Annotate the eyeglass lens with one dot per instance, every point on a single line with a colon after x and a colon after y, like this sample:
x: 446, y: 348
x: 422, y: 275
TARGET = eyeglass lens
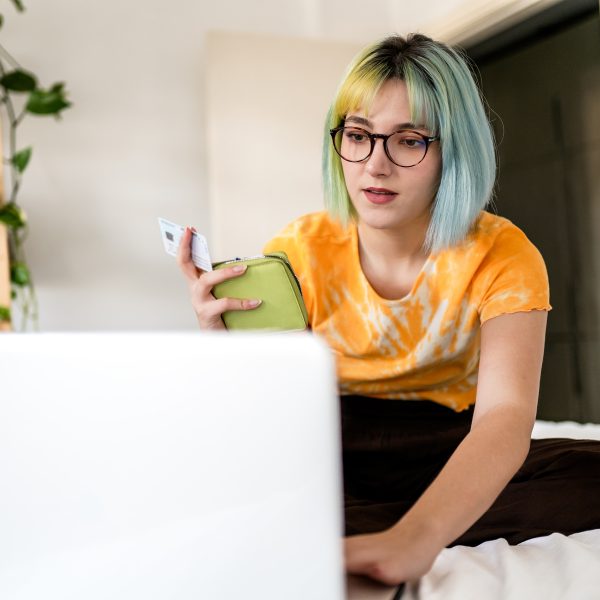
x: 406, y: 148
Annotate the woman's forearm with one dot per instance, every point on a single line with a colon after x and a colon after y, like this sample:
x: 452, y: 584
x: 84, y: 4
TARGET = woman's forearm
x: 476, y: 473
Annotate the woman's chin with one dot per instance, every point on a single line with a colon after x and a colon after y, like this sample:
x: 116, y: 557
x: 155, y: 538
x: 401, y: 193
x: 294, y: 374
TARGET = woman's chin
x: 379, y: 220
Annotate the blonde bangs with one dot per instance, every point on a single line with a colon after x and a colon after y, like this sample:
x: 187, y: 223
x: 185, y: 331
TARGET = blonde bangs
x: 359, y: 88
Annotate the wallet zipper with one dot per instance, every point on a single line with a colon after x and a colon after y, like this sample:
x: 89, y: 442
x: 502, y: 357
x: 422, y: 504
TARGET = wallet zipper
x: 238, y: 259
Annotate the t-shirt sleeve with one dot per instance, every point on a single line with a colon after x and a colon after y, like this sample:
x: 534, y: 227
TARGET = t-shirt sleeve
x: 290, y: 241
x: 514, y: 278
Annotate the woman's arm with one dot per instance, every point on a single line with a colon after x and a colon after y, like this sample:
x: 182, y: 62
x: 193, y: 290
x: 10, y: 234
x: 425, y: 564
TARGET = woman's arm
x: 512, y: 348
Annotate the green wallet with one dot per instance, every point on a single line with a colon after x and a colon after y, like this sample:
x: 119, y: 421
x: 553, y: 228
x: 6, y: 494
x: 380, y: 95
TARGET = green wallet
x: 269, y: 278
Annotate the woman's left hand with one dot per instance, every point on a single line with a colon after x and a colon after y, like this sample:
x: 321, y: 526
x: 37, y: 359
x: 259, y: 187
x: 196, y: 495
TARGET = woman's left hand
x: 391, y: 557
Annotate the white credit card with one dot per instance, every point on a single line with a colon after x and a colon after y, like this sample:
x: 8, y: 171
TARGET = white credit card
x: 172, y: 233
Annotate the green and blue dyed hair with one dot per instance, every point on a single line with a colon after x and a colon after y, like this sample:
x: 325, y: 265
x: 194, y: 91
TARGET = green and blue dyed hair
x: 444, y: 97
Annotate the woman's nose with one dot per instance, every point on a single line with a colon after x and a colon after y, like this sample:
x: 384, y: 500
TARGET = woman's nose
x: 378, y: 164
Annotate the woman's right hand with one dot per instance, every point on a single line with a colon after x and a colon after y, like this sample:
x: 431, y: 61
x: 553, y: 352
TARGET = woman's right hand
x: 207, y: 308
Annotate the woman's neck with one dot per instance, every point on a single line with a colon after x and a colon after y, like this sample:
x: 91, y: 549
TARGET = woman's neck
x: 390, y: 260
x: 393, y: 247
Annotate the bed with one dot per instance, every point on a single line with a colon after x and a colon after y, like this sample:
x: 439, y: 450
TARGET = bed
x: 551, y: 567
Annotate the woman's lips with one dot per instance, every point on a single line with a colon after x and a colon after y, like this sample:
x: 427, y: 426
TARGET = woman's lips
x: 379, y: 195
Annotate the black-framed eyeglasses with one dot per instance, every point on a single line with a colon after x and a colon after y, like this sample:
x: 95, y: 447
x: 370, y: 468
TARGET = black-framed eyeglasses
x: 405, y: 148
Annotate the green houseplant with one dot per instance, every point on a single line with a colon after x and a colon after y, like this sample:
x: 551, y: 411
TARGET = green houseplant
x: 20, y: 96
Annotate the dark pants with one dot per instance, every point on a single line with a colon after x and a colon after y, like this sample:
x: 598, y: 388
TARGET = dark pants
x: 392, y: 451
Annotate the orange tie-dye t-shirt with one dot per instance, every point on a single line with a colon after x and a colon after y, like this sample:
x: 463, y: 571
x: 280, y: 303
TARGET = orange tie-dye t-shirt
x: 425, y: 345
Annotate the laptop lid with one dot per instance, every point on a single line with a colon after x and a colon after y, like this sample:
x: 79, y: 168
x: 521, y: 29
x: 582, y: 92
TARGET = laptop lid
x: 169, y: 465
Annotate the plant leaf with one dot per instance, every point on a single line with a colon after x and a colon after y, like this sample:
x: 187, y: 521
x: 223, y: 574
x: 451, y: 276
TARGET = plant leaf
x: 19, y: 5
x: 1, y: 20
x: 19, y: 81
x: 19, y: 274
x: 12, y: 215
x: 21, y: 159
x: 5, y: 314
x: 47, y: 102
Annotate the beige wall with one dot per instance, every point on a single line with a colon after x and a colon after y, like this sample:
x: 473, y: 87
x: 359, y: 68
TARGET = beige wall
x: 131, y: 149
x: 267, y: 97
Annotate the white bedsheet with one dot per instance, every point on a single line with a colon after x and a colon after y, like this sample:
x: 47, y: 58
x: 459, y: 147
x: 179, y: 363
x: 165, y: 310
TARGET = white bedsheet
x: 549, y: 567
x: 546, y: 568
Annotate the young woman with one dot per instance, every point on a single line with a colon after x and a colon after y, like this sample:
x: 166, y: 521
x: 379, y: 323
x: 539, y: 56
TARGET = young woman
x: 436, y: 311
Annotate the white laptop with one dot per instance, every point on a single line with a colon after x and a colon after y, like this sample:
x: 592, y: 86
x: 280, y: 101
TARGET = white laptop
x: 169, y: 466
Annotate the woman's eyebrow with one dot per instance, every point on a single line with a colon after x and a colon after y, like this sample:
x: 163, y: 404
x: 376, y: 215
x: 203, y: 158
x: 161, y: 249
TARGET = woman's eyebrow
x: 367, y: 123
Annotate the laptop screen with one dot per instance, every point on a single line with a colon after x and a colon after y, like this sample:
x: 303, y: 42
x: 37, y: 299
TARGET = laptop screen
x: 169, y: 465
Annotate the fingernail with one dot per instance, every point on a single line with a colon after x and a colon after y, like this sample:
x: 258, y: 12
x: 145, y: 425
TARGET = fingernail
x: 254, y: 303
x: 239, y: 268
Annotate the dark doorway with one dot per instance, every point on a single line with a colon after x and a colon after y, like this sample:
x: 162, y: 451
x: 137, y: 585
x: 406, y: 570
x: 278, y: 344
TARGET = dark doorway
x: 542, y: 84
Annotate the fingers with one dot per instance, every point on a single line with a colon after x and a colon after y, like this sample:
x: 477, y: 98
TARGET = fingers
x: 209, y: 313
x: 211, y: 278
x: 227, y: 304
x: 201, y: 286
x: 208, y: 309
x: 184, y: 257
